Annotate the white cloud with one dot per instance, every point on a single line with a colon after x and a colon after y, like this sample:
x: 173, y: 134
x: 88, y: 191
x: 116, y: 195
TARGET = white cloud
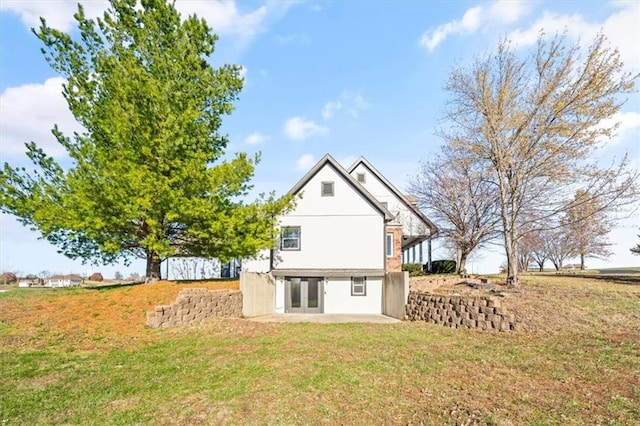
x: 298, y: 128
x: 618, y: 27
x: 223, y: 16
x: 305, y: 162
x: 59, y: 14
x: 480, y: 17
x: 256, y: 139
x: 349, y: 102
x: 28, y: 113
x: 628, y: 126
x: 330, y: 108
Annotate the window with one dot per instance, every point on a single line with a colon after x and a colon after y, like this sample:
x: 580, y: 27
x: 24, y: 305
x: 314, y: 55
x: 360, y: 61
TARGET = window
x: 361, y: 177
x: 358, y: 286
x: 389, y: 245
x: 290, y: 238
x: 327, y: 189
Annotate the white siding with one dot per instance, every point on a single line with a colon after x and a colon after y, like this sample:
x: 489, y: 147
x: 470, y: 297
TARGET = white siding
x: 260, y: 263
x: 340, y: 232
x: 338, y: 298
x: 411, y: 223
x: 280, y: 294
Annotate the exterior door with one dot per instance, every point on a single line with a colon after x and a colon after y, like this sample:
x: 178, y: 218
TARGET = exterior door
x: 303, y: 295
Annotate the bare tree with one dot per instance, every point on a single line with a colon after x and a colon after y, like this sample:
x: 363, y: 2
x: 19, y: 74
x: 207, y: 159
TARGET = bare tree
x: 534, y: 122
x: 589, y: 225
x: 560, y: 246
x: 454, y: 192
x: 636, y: 249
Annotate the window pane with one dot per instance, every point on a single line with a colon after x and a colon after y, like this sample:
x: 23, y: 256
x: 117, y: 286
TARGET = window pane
x: 295, y: 293
x: 290, y: 238
x: 389, y: 245
x: 312, y: 293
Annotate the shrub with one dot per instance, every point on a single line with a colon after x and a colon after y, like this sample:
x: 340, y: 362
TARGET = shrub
x: 446, y: 266
x: 414, y: 269
x: 96, y: 276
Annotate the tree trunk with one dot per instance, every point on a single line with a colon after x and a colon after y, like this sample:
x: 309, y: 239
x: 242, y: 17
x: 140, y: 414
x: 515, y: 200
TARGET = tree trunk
x: 462, y: 262
x: 541, y: 265
x: 512, y: 264
x: 153, y: 267
x: 582, y: 261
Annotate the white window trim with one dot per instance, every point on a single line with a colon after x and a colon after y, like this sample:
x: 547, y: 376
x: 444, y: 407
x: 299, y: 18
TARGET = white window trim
x: 364, y: 286
x: 282, y: 247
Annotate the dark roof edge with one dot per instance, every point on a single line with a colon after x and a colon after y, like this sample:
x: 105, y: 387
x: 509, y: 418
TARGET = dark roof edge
x: 328, y: 159
x: 396, y: 192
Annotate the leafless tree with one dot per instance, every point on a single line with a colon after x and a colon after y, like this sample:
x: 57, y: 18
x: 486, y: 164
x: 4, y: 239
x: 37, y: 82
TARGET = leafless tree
x: 533, y: 122
x: 455, y: 193
x: 589, y: 225
x: 636, y: 249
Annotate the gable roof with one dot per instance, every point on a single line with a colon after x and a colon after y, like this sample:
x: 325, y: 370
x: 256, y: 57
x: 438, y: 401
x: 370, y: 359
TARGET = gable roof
x: 328, y: 160
x: 403, y: 198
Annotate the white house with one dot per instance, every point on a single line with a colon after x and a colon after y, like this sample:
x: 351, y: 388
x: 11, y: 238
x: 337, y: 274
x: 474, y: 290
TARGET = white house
x: 416, y: 227
x: 336, y: 245
x: 63, y: 280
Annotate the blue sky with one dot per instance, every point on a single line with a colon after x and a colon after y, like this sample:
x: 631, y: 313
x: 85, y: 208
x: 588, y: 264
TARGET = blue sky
x: 345, y: 78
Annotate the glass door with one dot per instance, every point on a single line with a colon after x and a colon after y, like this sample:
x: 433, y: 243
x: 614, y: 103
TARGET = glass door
x: 303, y: 295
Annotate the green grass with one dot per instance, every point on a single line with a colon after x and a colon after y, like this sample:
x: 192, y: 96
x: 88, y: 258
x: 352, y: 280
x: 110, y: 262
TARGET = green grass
x: 240, y: 372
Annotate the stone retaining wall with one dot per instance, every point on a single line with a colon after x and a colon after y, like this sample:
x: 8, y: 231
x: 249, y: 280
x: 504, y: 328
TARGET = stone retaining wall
x: 195, y: 305
x: 483, y: 312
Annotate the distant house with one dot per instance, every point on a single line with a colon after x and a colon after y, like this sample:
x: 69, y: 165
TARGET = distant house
x: 347, y: 231
x: 69, y: 280
x: 25, y: 283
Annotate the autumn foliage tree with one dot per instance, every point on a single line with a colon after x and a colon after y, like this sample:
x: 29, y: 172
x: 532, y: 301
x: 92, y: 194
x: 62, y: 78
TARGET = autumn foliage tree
x: 147, y: 176
x: 533, y: 122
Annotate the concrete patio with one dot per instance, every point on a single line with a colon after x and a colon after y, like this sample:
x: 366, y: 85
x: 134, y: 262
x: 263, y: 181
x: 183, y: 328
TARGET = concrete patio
x: 326, y: 318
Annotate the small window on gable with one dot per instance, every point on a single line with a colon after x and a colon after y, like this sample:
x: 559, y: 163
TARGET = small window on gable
x: 290, y: 238
x: 358, y: 286
x: 326, y: 189
x: 361, y: 177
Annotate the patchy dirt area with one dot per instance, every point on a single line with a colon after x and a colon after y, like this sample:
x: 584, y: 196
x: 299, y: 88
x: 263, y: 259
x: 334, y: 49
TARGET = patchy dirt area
x: 112, y: 313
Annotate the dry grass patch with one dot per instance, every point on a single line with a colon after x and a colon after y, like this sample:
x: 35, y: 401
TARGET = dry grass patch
x: 90, y: 317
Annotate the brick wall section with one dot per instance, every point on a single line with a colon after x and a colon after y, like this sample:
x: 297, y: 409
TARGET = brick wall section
x: 195, y: 305
x: 483, y: 312
x: 394, y: 264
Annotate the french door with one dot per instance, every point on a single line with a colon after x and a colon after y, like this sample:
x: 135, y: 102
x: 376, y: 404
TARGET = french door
x: 303, y: 295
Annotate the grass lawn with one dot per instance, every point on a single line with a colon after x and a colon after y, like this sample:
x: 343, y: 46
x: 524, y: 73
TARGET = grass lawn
x: 84, y: 356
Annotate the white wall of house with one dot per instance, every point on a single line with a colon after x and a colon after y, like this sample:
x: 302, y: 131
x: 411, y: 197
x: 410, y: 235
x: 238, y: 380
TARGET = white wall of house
x: 339, y: 231
x: 338, y: 298
x: 260, y: 263
x: 411, y: 223
x: 280, y: 295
